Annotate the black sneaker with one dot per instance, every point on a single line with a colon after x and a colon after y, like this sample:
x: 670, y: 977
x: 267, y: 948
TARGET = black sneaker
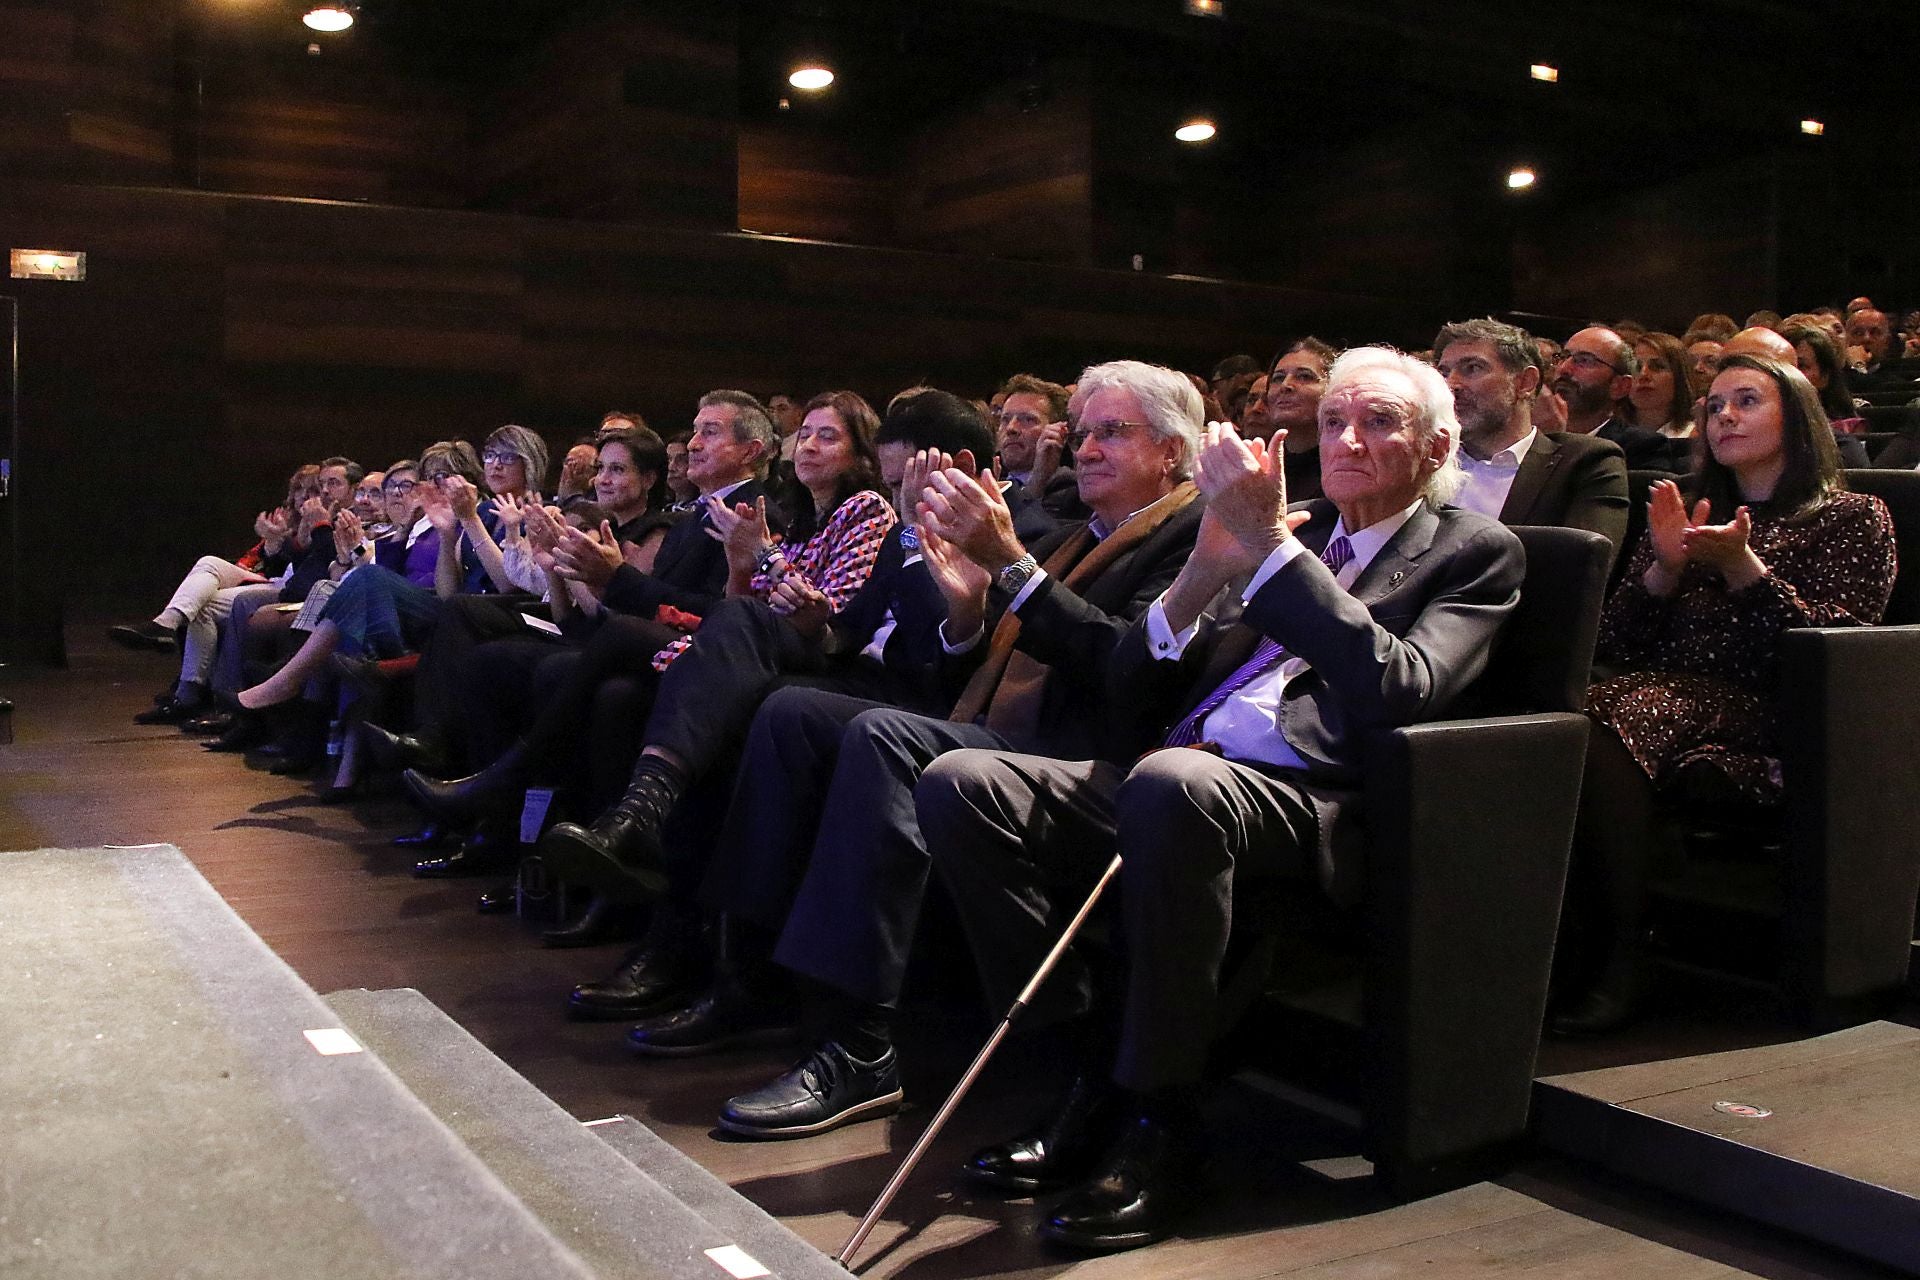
x: 826, y: 1090
x: 150, y: 636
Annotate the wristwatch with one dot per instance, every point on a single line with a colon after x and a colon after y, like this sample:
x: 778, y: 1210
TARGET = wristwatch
x: 1011, y: 579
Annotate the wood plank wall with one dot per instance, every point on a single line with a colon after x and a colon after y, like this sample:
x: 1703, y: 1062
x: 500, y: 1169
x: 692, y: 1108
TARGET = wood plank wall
x: 219, y: 340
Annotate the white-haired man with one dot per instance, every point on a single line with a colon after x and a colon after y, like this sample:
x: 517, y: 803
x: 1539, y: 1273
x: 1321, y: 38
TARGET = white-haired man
x: 1292, y: 635
x: 821, y: 847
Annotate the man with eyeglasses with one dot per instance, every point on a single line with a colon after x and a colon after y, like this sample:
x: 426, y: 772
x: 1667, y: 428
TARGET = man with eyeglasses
x: 1594, y: 377
x: 1031, y: 442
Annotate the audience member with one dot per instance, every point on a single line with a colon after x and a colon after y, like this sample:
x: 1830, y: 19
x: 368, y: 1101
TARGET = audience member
x: 1041, y: 489
x: 1762, y: 537
x: 1594, y: 377
x: 1294, y: 384
x: 1229, y: 383
x: 1769, y: 345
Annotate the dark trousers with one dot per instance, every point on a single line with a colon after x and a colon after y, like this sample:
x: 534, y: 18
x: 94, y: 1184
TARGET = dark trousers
x: 1020, y: 840
x: 465, y: 623
x: 822, y: 843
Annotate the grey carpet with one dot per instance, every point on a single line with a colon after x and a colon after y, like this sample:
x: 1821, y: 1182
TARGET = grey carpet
x: 626, y: 1217
x: 165, y: 1116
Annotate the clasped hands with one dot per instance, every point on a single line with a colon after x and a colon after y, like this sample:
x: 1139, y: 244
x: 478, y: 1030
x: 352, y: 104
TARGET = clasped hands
x: 1680, y: 538
x: 1244, y: 483
x: 966, y: 532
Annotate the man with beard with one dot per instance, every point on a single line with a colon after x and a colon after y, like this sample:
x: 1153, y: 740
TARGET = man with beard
x: 1594, y: 375
x: 1514, y: 473
x: 1031, y: 440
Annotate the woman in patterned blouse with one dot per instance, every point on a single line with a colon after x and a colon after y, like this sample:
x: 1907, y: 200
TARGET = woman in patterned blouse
x: 1766, y: 538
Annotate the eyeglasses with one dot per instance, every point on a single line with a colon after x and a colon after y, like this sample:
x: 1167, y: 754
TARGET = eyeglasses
x: 365, y: 495
x: 499, y: 457
x: 399, y: 486
x: 1102, y: 433
x: 435, y: 477
x: 1588, y: 360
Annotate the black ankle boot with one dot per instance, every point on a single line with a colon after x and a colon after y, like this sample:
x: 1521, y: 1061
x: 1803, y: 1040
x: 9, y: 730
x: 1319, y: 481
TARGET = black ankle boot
x: 619, y: 856
x: 494, y: 789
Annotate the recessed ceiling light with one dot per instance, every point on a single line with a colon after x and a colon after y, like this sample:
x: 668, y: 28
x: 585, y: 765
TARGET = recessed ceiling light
x: 1813, y: 128
x: 1195, y: 131
x: 329, y: 17
x: 811, y: 79
x: 1545, y: 74
x: 1520, y: 178
x: 1207, y: 8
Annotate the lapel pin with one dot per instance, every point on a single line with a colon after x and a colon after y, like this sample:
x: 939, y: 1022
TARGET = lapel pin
x: 1399, y: 576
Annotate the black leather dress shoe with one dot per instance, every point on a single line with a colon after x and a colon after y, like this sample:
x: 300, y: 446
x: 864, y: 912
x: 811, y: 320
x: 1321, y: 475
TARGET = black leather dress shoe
x: 172, y: 711
x: 495, y: 789
x: 484, y: 853
x: 399, y: 750
x: 1061, y: 1149
x: 723, y: 1017
x: 210, y: 724
x: 655, y: 975
x: 619, y: 856
x: 824, y: 1090
x: 1138, y: 1190
x: 248, y: 730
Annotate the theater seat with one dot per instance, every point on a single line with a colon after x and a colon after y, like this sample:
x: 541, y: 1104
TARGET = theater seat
x: 1435, y: 1015
x: 1833, y: 877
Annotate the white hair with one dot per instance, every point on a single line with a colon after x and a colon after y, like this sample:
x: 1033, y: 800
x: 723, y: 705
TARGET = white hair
x: 1432, y: 407
x: 1168, y: 399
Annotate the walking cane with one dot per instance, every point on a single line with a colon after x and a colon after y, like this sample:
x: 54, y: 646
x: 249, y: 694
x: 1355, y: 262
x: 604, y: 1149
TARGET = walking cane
x: 940, y: 1118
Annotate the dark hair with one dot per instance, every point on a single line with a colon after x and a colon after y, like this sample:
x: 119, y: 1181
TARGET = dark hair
x: 1514, y: 346
x: 1812, y: 472
x: 1836, y: 398
x: 863, y: 428
x: 628, y: 414
x: 1716, y: 325
x: 649, y: 453
x: 928, y: 419
x: 1025, y: 384
x: 458, y: 457
x: 1680, y: 399
x: 1325, y: 351
x: 354, y: 470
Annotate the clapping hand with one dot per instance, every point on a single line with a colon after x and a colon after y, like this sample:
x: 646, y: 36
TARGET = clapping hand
x: 512, y: 514
x: 462, y: 497
x: 438, y: 510
x: 1048, y: 448
x: 347, y: 535
x: 544, y: 526
x: 971, y: 513
x: 1245, y: 485
x: 587, y: 557
x: 961, y: 580
x: 1725, y: 547
x: 273, y: 526
x: 742, y: 530
x: 1667, y: 524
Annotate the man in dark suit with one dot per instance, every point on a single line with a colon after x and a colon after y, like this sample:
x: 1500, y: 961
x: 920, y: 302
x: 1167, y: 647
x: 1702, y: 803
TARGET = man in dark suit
x: 1370, y: 608
x: 520, y: 698
x: 1512, y: 472
x: 1594, y: 377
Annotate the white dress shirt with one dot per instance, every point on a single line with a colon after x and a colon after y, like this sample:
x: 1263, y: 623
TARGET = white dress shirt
x: 1247, y: 725
x: 1489, y: 482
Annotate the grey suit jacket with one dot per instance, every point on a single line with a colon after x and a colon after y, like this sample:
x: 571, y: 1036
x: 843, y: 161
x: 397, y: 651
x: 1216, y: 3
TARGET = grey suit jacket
x: 1413, y: 633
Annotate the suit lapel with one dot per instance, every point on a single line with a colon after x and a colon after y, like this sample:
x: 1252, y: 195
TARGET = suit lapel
x: 1531, y: 480
x: 1395, y: 561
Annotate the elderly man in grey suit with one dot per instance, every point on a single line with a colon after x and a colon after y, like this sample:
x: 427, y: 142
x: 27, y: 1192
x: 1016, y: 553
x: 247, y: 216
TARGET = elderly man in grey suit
x: 1512, y: 472
x: 1293, y: 635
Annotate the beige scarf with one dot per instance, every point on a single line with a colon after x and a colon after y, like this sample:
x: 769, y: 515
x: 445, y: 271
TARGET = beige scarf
x: 1007, y: 687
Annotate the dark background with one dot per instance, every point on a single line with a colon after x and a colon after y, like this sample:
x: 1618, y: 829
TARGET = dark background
x: 468, y: 212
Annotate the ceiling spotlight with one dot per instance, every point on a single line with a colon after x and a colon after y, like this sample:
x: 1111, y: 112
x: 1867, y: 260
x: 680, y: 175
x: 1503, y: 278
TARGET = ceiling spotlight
x: 334, y: 16
x: 1545, y: 74
x: 1195, y: 131
x: 810, y: 79
x: 1812, y: 128
x: 1520, y: 179
x: 1207, y: 8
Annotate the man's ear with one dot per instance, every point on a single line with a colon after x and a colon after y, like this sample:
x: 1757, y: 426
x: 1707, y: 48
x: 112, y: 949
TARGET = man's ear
x: 1527, y: 381
x: 966, y: 462
x: 1621, y: 386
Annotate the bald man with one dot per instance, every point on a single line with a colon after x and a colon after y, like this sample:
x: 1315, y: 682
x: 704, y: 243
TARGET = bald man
x: 1769, y: 345
x: 1594, y: 376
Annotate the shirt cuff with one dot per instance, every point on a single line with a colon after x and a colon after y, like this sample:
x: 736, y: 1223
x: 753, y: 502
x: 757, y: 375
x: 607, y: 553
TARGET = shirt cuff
x: 1276, y: 560
x: 965, y: 646
x: 1033, y: 584
x: 1162, y: 642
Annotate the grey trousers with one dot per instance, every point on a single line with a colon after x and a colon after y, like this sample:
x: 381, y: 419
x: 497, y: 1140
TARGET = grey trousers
x: 1020, y: 840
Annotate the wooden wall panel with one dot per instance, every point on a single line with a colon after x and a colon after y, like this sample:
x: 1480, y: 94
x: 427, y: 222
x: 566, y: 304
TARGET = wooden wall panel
x: 628, y: 115
x: 219, y: 340
x: 796, y: 181
x: 36, y: 81
x: 122, y: 119
x: 1002, y: 179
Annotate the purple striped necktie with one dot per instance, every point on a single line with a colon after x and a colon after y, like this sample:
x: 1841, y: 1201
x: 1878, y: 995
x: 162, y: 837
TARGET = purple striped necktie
x: 1266, y: 656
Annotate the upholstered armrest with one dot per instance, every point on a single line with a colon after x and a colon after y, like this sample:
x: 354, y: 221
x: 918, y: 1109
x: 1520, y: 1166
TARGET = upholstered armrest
x: 1850, y: 707
x: 1470, y: 823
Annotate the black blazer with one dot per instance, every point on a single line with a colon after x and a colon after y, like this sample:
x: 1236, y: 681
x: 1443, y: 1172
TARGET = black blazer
x: 913, y: 650
x: 689, y: 572
x: 1400, y: 648
x: 1575, y: 481
x: 1037, y: 514
x: 1645, y: 450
